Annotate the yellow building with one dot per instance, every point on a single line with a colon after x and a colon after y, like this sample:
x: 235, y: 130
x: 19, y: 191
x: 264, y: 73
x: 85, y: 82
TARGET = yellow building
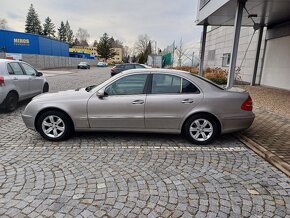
x: 87, y: 50
x: 118, y: 56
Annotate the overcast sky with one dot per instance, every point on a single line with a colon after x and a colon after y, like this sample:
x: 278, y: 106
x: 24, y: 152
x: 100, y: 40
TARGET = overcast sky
x: 163, y: 20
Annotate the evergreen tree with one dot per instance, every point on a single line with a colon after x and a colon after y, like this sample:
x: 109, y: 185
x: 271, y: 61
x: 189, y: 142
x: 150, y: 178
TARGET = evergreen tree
x: 69, y: 33
x: 104, y: 47
x: 48, y: 28
x: 62, y: 32
x: 32, y: 23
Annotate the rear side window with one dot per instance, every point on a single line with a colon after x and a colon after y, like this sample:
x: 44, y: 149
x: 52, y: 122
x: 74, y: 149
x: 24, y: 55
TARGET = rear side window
x: 16, y: 69
x: 129, y: 67
x: 188, y: 87
x: 162, y: 84
x: 139, y: 66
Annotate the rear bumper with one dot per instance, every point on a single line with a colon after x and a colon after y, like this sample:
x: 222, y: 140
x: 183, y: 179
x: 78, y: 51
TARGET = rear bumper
x: 29, y: 121
x: 234, y: 124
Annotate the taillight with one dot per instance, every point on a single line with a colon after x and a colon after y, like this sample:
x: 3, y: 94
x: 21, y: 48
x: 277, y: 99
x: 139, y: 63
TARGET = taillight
x: 248, y: 104
x: 2, y: 82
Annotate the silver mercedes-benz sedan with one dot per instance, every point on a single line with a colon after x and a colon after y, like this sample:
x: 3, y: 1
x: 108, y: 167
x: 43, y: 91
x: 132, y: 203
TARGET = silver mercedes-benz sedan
x: 143, y: 100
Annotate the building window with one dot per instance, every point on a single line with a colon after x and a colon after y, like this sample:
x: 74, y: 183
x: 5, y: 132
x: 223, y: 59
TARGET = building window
x: 203, y: 3
x: 211, y: 55
x: 226, y: 59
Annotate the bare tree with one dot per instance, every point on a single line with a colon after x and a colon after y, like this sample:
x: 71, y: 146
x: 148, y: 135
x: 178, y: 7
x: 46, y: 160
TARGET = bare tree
x: 83, y: 35
x: 142, y: 44
x: 3, y: 24
x: 180, y: 52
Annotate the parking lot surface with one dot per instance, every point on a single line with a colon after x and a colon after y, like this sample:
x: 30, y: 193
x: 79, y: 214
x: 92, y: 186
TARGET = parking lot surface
x: 131, y: 175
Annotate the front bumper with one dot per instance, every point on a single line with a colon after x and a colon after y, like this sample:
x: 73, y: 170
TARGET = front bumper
x: 29, y: 121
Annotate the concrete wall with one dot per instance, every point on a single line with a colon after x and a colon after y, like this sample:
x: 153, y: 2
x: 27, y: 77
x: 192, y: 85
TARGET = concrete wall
x: 276, y: 70
x: 221, y: 40
x: 47, y: 62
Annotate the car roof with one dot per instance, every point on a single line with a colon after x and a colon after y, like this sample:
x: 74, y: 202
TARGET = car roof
x: 8, y: 61
x: 156, y: 70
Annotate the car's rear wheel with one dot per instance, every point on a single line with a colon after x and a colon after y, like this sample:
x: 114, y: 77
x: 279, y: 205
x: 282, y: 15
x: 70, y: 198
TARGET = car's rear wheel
x: 201, y: 129
x: 11, y: 102
x: 45, y: 88
x: 54, y: 125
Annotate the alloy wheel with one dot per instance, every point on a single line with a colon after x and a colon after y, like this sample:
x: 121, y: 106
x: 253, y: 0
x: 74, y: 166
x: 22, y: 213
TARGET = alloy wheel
x: 201, y: 130
x: 53, y: 126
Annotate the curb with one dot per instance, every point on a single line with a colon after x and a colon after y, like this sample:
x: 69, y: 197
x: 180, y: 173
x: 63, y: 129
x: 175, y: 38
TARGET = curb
x: 264, y: 153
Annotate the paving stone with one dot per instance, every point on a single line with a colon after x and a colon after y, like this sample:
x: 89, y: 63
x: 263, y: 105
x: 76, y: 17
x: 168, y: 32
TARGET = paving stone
x: 130, y: 174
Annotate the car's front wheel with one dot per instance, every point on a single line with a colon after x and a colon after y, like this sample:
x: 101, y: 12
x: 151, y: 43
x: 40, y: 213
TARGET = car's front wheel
x: 45, y: 88
x: 201, y: 129
x: 54, y: 125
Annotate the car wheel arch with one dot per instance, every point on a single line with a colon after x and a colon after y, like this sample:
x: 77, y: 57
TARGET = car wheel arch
x: 203, y: 113
x: 15, y: 92
x: 53, y: 109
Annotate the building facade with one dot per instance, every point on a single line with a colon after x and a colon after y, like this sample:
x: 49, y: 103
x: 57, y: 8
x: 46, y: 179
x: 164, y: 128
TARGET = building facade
x: 26, y: 43
x: 218, y: 51
x: 88, y: 52
x: 117, y: 57
x: 228, y: 29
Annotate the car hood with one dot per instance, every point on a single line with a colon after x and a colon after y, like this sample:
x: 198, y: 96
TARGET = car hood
x: 62, y: 95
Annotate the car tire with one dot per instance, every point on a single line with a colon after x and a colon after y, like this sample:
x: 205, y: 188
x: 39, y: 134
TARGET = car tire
x: 45, y: 88
x: 11, y: 102
x: 59, y: 123
x: 201, y: 129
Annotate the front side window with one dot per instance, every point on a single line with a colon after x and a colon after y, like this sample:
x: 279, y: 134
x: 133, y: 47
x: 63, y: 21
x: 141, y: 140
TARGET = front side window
x: 16, y: 69
x: 10, y: 71
x: 29, y: 70
x: 129, y: 85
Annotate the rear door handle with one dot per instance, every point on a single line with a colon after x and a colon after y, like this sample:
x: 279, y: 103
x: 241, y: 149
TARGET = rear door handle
x: 187, y: 101
x: 15, y: 78
x: 138, y: 102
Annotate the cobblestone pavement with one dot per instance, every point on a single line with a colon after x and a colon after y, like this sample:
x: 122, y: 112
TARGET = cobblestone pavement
x: 271, y: 128
x: 132, y: 175
x: 272, y: 131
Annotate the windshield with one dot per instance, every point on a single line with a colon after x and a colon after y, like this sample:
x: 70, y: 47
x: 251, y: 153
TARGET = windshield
x: 83, y: 63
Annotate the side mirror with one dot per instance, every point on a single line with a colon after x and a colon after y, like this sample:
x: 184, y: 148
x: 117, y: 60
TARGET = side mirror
x: 39, y: 74
x: 101, y: 93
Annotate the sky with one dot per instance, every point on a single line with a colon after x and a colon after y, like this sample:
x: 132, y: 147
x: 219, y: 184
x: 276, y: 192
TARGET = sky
x: 162, y: 20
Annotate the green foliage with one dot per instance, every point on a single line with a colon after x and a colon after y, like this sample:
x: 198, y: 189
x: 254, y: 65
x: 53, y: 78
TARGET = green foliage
x: 217, y: 75
x: 69, y: 34
x: 104, y: 47
x: 48, y: 28
x: 32, y: 23
x: 62, y: 32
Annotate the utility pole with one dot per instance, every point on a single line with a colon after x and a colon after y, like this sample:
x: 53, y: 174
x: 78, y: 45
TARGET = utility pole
x: 192, y: 60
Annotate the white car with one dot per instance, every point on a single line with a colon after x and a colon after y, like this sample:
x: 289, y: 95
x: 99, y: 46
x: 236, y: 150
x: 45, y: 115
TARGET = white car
x: 102, y: 64
x: 19, y: 81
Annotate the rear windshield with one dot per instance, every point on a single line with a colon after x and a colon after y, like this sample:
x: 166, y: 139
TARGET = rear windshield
x: 209, y: 81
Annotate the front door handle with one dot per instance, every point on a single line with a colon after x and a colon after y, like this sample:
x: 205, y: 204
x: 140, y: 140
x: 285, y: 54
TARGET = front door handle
x: 15, y: 78
x: 187, y: 101
x: 138, y: 102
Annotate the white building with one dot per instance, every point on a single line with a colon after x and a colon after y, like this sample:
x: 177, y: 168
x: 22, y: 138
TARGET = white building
x: 271, y: 18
